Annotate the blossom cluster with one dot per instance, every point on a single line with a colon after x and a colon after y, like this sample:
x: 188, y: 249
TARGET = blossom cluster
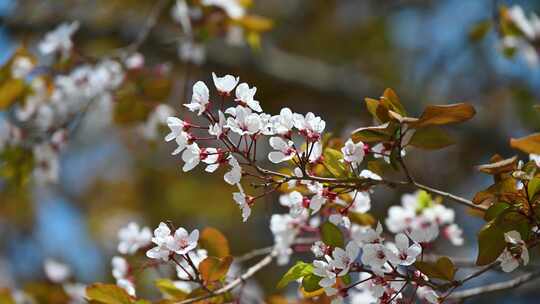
x: 59, y: 273
x: 42, y: 121
x: 422, y: 218
x: 527, y: 34
x: 191, y: 16
x: 163, y: 245
x: 52, y: 91
x: 132, y: 239
x: 313, y: 197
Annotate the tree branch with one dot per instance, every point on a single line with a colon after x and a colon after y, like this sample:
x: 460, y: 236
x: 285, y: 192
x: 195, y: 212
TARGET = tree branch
x: 248, y: 274
x: 472, y: 292
x: 451, y: 196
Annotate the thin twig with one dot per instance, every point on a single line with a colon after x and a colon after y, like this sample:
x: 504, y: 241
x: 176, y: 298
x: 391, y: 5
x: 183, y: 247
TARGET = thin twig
x: 254, y: 253
x: 453, y: 197
x: 150, y: 23
x: 248, y: 274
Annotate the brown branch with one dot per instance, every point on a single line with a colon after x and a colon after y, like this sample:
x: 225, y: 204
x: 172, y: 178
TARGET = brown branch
x: 451, y: 196
x: 472, y: 292
x: 254, y: 253
x: 150, y: 23
x: 248, y: 274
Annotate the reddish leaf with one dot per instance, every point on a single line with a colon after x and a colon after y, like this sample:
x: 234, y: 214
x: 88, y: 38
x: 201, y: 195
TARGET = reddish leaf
x: 528, y: 144
x: 444, y: 114
x: 214, y: 242
x: 214, y: 269
x: 499, y: 165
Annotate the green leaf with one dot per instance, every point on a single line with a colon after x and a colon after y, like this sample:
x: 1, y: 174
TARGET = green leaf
x: 333, y: 161
x: 108, y: 294
x: 510, y: 219
x: 214, y: 269
x: 214, y: 242
x: 167, y: 286
x: 384, y: 132
x: 495, y: 210
x: 393, y: 99
x: 371, y: 105
x: 346, y: 279
x: 533, y: 187
x: 310, y: 283
x: 528, y: 144
x: 10, y: 91
x: 5, y: 296
x: 362, y: 219
x: 442, y: 269
x: 256, y: 23
x: 490, y: 243
x: 479, y: 30
x: 16, y: 165
x: 299, y: 270
x: 431, y: 138
x: 331, y: 235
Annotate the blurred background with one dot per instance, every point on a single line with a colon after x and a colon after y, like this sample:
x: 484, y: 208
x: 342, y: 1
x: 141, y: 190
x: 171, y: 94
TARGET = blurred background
x: 322, y: 56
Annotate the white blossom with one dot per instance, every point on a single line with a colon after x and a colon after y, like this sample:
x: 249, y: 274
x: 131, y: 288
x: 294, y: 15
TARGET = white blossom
x: 59, y: 40
x: 190, y: 51
x: 246, y: 96
x: 193, y: 155
x: 162, y: 236
x: 226, y: 83
x: 285, y: 228
x: 132, y: 238
x: 231, y: 7
x: 182, y: 242
x: 283, y: 123
x: 55, y: 271
x: 47, y: 164
x: 158, y: 117
x: 370, y: 175
x: 428, y: 294
x: 535, y: 158
x: 294, y: 201
x: 517, y: 254
x: 404, y: 254
x: 319, y: 249
x: 316, y: 152
x: 454, y: 234
x: 244, y: 121
x: 376, y: 256
x: 200, y: 98
x: 368, y: 235
x: 234, y: 175
x: 342, y: 259
x: 353, y: 153
x: 361, y: 202
x: 310, y: 125
x: 127, y: 285
x: 243, y: 202
x: 196, y: 256
x: 120, y: 267
x: 21, y: 67
x: 180, y: 14
x: 325, y: 271
x: 285, y: 150
x: 218, y: 129
x: 177, y: 127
